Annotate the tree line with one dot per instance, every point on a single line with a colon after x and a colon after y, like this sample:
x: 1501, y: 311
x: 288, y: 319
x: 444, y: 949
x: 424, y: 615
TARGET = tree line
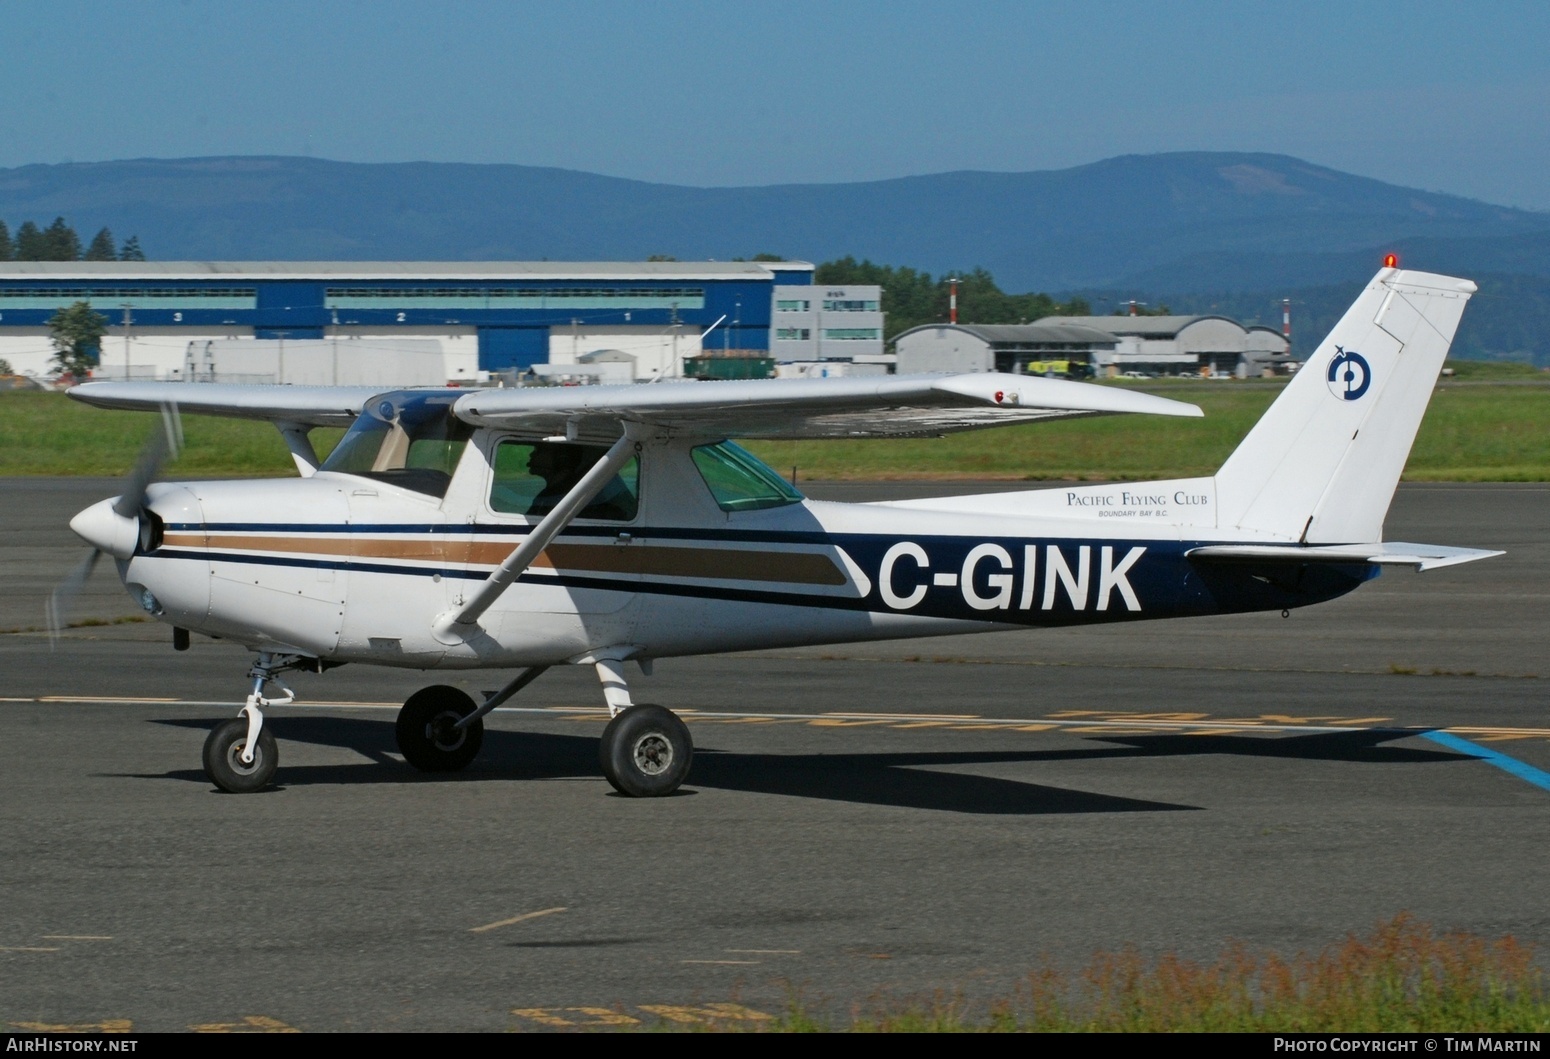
x: 911, y: 298
x: 60, y: 242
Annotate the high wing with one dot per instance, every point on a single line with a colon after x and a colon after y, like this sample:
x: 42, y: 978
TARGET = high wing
x: 869, y: 406
x: 856, y: 407
x: 313, y: 406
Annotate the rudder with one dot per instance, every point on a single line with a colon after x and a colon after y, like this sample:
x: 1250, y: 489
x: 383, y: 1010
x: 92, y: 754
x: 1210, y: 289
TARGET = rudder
x: 1322, y: 464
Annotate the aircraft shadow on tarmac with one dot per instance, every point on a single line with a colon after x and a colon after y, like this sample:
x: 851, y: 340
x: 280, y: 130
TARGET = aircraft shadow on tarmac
x: 905, y: 780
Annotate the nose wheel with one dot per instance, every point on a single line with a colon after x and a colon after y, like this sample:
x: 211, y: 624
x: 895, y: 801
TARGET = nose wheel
x: 427, y: 731
x: 224, y: 752
x: 240, y: 755
x: 646, y: 751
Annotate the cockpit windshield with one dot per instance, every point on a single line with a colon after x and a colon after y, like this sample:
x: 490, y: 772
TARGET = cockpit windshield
x: 409, y: 439
x: 738, y: 481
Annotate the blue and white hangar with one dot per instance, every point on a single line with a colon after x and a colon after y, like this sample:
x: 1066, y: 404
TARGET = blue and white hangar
x: 325, y: 322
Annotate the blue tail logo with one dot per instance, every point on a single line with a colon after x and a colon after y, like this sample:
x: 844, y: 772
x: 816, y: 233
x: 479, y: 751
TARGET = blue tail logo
x: 1349, y: 375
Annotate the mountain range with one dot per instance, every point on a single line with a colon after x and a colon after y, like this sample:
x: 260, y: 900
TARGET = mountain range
x: 1181, y: 225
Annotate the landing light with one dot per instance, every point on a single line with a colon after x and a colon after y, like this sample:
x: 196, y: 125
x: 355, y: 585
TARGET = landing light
x: 148, y: 602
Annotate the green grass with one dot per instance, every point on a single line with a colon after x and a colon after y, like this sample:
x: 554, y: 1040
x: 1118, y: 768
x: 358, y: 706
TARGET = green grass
x: 1471, y: 433
x: 49, y: 434
x: 1494, y: 370
x: 1402, y: 978
x: 1474, y: 431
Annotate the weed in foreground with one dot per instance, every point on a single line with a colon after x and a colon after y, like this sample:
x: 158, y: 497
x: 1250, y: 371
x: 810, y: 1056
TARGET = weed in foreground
x: 1403, y: 977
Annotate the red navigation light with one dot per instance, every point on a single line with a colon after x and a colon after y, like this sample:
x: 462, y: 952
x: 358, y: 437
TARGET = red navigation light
x: 1000, y: 396
x: 1390, y: 260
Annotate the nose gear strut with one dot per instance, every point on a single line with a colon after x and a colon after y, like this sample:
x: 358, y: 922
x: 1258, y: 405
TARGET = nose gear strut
x: 239, y: 755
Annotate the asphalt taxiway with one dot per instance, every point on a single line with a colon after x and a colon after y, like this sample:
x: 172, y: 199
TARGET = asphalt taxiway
x: 864, y: 824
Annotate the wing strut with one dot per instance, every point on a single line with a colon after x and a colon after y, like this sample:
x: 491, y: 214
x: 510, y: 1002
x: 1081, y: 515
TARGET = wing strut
x: 297, y: 440
x: 456, y: 626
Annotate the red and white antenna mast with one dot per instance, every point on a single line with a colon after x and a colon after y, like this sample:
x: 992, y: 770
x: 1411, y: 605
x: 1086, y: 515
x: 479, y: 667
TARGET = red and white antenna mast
x: 952, y: 300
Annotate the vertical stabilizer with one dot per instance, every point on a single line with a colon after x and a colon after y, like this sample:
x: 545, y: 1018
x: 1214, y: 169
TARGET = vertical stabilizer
x: 1322, y: 464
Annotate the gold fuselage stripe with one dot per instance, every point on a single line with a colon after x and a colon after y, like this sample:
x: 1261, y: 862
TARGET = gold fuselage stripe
x: 732, y: 564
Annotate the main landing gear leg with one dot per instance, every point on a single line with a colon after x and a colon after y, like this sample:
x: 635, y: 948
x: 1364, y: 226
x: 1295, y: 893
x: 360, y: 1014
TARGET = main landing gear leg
x: 646, y: 750
x: 240, y: 755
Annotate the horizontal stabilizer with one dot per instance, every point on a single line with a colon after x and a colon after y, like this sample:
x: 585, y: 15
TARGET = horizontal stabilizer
x: 1392, y: 553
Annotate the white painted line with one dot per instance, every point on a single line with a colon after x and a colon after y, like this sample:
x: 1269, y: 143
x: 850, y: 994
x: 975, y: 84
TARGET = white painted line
x: 515, y: 919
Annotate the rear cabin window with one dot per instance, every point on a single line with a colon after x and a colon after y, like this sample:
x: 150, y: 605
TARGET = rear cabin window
x: 411, y: 440
x: 738, y: 481
x: 532, y: 477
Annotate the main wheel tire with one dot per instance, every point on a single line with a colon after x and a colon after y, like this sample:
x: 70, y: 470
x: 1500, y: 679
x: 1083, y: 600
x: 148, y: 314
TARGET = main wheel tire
x: 646, y: 751
x: 426, y: 736
x: 223, y: 757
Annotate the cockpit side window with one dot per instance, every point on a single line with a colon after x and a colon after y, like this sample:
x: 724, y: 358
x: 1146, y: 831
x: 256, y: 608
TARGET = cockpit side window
x: 532, y: 477
x: 411, y: 440
x: 738, y: 481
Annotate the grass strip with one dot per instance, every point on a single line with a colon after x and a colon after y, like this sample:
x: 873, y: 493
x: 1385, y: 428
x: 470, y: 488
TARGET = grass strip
x: 1474, y: 431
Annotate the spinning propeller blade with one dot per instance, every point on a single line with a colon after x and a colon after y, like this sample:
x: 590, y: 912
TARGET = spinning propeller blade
x: 164, y: 443
x: 56, y: 611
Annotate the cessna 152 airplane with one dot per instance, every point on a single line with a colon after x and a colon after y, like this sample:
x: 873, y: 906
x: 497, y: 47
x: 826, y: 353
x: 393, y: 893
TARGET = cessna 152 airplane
x: 604, y: 525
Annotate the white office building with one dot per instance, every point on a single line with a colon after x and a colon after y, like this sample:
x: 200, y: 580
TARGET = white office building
x: 827, y: 323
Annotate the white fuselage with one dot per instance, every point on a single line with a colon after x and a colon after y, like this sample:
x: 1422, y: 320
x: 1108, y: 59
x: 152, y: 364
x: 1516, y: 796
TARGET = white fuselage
x: 346, y: 568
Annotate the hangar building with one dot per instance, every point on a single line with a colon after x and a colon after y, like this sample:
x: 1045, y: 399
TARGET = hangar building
x: 1014, y: 348
x: 485, y: 316
x: 1107, y: 345
x: 1188, y: 345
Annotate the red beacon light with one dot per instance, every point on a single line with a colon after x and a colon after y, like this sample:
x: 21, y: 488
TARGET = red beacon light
x: 1390, y: 260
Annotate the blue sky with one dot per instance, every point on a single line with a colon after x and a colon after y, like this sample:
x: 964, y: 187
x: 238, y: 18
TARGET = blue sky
x: 1442, y: 96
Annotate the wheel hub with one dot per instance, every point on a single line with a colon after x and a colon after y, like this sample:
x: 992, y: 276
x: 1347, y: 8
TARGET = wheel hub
x: 240, y: 767
x: 443, y: 733
x: 653, y: 754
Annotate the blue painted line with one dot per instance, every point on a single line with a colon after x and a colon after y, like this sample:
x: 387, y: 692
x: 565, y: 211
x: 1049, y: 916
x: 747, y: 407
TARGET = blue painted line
x: 1523, y: 771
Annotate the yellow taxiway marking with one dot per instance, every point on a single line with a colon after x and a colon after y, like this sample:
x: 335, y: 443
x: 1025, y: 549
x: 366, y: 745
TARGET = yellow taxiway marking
x: 515, y: 919
x: 684, y: 1014
x: 105, y: 1026
x: 600, y: 1016
x: 249, y: 1024
x: 905, y: 716
x: 1482, y: 732
x: 770, y: 952
x: 28, y: 948
x: 705, y: 1013
x: 1084, y: 722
